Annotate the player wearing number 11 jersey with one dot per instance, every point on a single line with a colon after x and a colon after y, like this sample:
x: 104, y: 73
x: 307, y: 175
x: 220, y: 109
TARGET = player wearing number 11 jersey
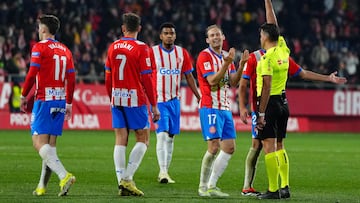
x: 52, y: 69
x: 128, y: 81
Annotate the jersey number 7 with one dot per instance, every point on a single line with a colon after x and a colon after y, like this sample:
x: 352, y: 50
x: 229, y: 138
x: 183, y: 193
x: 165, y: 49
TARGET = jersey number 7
x: 122, y: 59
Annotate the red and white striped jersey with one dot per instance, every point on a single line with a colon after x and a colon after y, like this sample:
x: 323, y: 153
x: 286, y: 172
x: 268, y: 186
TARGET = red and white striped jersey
x: 216, y: 96
x: 169, y: 64
x: 249, y: 72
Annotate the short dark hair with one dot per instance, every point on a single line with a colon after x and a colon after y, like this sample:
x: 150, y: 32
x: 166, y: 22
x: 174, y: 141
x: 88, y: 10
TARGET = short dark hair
x: 51, y: 21
x: 131, y: 21
x: 272, y: 30
x: 166, y: 25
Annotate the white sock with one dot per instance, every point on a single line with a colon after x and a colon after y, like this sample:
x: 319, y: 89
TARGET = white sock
x: 219, y: 167
x: 160, y: 151
x: 44, y: 176
x: 169, y: 143
x: 119, y: 161
x: 250, y: 167
x: 206, y: 166
x: 52, y: 160
x: 135, y: 158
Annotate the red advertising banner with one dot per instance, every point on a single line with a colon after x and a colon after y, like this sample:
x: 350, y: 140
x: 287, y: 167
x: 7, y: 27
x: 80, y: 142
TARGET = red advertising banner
x: 311, y: 110
x: 303, y: 102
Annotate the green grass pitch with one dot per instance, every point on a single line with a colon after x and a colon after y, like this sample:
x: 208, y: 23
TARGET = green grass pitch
x: 324, y: 167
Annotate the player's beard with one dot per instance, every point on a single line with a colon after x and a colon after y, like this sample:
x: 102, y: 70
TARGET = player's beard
x: 168, y: 45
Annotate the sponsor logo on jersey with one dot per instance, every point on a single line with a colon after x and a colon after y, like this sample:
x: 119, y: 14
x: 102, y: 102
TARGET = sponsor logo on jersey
x: 165, y: 71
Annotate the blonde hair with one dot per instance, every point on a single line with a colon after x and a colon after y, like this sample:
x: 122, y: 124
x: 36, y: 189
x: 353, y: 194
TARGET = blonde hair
x: 211, y: 27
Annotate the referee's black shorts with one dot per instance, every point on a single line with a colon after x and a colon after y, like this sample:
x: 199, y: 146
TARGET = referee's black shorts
x: 276, y: 117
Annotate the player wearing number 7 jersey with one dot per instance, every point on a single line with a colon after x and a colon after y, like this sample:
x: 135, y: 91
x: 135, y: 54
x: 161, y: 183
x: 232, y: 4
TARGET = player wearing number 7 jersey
x: 128, y: 81
x: 53, y: 70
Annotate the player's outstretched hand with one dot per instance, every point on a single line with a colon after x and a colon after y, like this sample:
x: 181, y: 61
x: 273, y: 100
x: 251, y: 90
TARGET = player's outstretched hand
x: 337, y: 80
x: 244, y: 58
x: 230, y: 57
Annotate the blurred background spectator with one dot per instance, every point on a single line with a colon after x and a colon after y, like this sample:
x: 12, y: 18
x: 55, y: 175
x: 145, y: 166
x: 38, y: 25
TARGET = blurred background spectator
x: 322, y: 34
x: 14, y: 99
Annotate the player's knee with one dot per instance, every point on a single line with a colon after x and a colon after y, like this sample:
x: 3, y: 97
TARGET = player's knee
x: 229, y: 150
x: 213, y: 146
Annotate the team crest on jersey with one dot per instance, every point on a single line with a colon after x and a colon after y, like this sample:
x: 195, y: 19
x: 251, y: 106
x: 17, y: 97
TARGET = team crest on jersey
x: 207, y: 66
x: 148, y: 62
x: 179, y: 60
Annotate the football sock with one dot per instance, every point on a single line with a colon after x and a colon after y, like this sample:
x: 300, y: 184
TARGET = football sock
x: 135, y: 158
x: 58, y: 166
x: 272, y: 169
x: 44, y: 176
x: 52, y: 161
x: 284, y: 167
x: 160, y: 151
x: 119, y: 161
x: 206, y: 166
x: 250, y: 167
x: 169, y: 143
x: 219, y: 167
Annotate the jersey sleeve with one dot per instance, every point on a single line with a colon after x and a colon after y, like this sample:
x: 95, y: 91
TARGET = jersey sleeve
x: 294, y: 68
x: 250, y: 67
x: 146, y: 70
x: 282, y: 44
x: 154, y: 70
x: 265, y: 66
x: 187, y: 64
x: 145, y: 62
x: 33, y: 69
x: 204, y: 64
x: 108, y: 78
x: 232, y: 68
x: 70, y: 77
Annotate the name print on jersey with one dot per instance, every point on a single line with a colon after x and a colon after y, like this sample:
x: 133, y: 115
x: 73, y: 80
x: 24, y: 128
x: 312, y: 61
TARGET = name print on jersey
x: 123, y: 45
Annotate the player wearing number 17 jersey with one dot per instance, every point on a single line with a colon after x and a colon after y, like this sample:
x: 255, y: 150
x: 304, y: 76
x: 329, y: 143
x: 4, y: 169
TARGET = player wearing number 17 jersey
x: 216, y: 73
x: 52, y: 69
x: 128, y: 80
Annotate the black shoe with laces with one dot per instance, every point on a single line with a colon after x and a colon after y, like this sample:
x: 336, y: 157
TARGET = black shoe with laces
x: 285, y: 192
x: 270, y: 195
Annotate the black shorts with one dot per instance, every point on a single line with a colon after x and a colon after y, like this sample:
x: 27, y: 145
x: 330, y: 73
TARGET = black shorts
x: 276, y: 117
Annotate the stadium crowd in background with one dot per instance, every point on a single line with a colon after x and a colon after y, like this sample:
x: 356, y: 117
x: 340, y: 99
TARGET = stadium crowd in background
x: 322, y: 34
